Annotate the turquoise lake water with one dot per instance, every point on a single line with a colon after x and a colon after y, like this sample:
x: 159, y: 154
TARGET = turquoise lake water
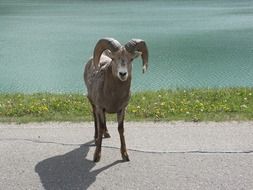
x: 193, y: 44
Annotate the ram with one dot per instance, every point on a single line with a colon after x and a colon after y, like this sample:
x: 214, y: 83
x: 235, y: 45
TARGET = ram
x: 108, y: 79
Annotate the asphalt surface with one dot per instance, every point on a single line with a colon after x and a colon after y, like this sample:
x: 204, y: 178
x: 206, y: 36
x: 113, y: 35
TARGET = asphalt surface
x: 177, y: 155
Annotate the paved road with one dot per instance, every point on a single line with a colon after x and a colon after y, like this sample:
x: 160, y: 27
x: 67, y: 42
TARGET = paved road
x: 178, y: 155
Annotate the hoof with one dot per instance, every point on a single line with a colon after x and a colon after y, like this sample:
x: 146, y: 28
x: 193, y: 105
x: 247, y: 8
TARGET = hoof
x: 107, y: 135
x: 96, y: 157
x: 125, y: 157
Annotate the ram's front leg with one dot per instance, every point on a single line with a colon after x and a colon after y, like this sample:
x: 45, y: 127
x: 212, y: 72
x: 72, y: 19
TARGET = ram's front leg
x: 120, y: 118
x: 100, y: 115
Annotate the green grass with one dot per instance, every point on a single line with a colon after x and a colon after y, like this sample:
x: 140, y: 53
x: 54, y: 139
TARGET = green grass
x: 163, y: 105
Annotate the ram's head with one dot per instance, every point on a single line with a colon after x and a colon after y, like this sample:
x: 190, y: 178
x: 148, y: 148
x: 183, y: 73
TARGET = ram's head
x: 122, y: 56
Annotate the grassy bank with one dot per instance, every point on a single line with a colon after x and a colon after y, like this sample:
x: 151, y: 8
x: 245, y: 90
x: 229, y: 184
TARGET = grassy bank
x: 163, y: 105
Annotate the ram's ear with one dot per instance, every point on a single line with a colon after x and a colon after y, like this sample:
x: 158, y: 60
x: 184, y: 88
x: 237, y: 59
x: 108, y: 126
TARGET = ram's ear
x: 108, y: 53
x: 136, y: 54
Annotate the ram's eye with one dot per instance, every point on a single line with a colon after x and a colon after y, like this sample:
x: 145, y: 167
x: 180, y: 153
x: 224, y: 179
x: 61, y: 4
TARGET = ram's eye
x: 131, y: 59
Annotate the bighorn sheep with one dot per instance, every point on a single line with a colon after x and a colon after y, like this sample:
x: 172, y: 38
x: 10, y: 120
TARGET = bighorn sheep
x: 108, y: 79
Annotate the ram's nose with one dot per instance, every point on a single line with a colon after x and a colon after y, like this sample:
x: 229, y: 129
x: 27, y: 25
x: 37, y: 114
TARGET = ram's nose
x: 122, y: 74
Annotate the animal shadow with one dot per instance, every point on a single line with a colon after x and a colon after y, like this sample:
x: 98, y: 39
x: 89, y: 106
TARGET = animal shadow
x: 69, y: 171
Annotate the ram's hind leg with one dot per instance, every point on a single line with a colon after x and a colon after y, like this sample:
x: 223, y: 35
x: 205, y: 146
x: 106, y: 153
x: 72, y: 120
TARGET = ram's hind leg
x: 95, y: 122
x: 106, y: 133
x: 120, y: 118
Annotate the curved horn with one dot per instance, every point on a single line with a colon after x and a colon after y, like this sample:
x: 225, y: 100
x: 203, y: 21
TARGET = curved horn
x: 139, y: 45
x: 103, y: 44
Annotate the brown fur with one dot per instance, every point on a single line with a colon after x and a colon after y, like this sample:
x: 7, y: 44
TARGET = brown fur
x: 108, y: 82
